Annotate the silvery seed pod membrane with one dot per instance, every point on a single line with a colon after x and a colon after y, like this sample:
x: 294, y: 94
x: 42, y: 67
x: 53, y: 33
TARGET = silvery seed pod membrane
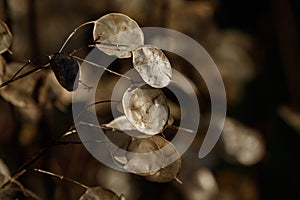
x: 117, y: 35
x: 146, y: 108
x: 152, y: 65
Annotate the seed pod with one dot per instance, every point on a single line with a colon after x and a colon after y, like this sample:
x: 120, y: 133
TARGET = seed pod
x: 6, y: 37
x: 98, y: 193
x: 122, y: 124
x: 168, y: 172
x: 242, y: 144
x: 152, y: 65
x: 154, y: 157
x: 146, y: 108
x: 144, y: 157
x: 118, y: 34
x: 65, y: 68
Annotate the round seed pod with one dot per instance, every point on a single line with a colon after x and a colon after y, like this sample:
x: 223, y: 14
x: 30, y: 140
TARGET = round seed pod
x: 146, y: 108
x: 143, y: 156
x: 154, y: 157
x: 168, y: 172
x: 65, y: 68
x: 117, y: 35
x: 152, y: 65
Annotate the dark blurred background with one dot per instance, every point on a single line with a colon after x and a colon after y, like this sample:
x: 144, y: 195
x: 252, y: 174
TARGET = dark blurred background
x: 254, y: 43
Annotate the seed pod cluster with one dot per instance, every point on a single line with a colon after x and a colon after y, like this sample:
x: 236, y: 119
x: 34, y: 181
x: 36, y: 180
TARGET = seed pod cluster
x: 146, y: 112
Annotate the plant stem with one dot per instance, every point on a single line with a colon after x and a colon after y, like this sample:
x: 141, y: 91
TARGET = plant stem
x: 25, y: 166
x: 14, y: 78
x: 61, y: 177
x: 72, y: 34
x: 104, y: 68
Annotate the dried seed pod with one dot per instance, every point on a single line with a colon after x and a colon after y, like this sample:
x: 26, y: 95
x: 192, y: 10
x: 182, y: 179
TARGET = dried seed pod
x: 242, y: 144
x: 143, y: 157
x: 170, y: 171
x: 6, y: 37
x: 98, y: 193
x: 117, y: 35
x: 153, y: 157
x: 122, y: 124
x: 146, y: 108
x: 152, y: 65
x: 166, y: 174
x: 65, y: 68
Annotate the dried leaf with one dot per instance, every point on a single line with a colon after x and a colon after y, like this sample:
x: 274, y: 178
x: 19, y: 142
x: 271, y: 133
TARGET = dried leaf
x: 20, y: 93
x: 65, y: 68
x: 146, y: 108
x: 2, y: 69
x: 4, y: 173
x: 153, y: 66
x: 117, y: 35
x: 39, y: 88
x: 6, y: 37
x: 98, y: 193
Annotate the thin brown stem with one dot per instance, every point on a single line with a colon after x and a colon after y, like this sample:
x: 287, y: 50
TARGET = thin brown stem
x: 61, y: 177
x: 72, y: 34
x: 103, y: 101
x: 104, y: 68
x: 27, y: 164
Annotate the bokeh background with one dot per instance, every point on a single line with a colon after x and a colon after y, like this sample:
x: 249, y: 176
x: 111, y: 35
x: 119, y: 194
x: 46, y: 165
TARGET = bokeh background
x: 255, y: 45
